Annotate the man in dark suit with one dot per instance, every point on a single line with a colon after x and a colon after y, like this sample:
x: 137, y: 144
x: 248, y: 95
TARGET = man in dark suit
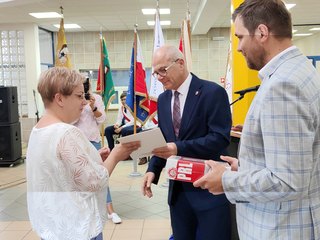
x: 203, y: 132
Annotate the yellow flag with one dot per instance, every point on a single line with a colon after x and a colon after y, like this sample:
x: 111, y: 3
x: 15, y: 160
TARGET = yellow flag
x: 62, y: 53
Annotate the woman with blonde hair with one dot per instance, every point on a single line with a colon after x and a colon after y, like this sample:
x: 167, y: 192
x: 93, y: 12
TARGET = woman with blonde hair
x: 67, y: 178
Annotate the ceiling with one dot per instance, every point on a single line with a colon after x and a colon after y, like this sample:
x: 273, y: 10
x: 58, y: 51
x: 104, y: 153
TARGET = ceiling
x: 114, y: 15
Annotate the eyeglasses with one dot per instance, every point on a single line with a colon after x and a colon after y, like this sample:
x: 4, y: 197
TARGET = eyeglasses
x: 163, y: 72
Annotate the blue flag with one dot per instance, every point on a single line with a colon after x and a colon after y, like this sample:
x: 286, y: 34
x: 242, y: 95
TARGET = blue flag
x: 141, y: 94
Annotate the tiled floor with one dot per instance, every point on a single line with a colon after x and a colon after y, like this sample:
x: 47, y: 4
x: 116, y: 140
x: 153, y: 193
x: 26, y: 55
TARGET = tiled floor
x: 143, y: 218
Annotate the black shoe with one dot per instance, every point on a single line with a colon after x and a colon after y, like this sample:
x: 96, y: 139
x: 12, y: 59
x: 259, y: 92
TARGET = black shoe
x: 142, y: 161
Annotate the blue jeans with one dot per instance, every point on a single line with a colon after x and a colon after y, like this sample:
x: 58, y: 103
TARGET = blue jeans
x: 109, y: 200
x: 99, y: 237
x: 98, y: 146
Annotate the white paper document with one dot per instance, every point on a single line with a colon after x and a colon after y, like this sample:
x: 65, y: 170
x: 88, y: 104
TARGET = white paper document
x: 149, y: 140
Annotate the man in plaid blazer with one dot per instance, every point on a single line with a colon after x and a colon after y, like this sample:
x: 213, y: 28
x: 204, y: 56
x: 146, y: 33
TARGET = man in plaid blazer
x: 277, y: 185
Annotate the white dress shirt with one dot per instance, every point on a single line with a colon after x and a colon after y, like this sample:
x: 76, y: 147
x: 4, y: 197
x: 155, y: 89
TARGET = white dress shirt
x: 183, y: 90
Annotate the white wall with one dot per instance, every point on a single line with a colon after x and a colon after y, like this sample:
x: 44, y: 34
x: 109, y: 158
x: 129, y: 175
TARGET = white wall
x: 310, y: 46
x: 209, y: 58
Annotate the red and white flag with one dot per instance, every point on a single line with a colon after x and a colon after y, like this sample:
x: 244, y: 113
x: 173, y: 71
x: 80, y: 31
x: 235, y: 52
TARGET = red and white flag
x: 137, y: 90
x: 156, y: 87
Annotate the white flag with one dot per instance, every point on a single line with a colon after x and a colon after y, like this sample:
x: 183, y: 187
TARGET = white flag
x: 186, y: 43
x: 228, y: 77
x: 156, y: 87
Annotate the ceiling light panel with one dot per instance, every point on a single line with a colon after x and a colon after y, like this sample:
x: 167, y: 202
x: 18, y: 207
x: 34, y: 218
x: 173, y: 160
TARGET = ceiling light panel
x: 152, y: 11
x: 68, y: 26
x: 46, y: 15
x: 302, y: 34
x: 162, y: 23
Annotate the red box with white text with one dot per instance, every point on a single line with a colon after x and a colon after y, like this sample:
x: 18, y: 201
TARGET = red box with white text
x: 185, y: 169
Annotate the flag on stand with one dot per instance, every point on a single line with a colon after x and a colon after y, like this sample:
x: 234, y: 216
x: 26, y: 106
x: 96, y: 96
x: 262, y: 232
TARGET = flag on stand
x: 62, y: 53
x: 185, y: 42
x: 105, y: 83
x: 156, y: 87
x: 137, y: 96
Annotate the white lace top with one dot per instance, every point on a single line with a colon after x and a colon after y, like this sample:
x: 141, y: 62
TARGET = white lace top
x: 66, y: 184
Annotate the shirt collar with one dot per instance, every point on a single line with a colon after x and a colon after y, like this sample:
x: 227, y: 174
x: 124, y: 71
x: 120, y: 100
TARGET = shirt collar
x: 268, y: 68
x: 184, y: 87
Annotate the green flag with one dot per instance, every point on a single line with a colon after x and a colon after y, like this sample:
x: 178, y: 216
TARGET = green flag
x: 105, y: 86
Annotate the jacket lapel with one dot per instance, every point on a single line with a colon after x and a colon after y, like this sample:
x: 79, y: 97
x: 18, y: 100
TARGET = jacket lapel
x: 191, y: 103
x: 167, y: 112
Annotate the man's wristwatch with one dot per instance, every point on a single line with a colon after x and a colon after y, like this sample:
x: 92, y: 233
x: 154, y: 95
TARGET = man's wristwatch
x: 95, y: 109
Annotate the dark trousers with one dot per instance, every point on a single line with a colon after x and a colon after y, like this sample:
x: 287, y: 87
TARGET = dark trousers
x: 110, y: 131
x: 190, y: 224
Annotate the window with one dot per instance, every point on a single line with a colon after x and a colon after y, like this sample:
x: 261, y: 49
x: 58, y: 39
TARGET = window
x: 12, y: 66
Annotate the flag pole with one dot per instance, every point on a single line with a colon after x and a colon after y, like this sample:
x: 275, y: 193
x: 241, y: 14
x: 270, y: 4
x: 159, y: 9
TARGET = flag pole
x: 188, y: 23
x: 134, y: 80
x: 61, y: 10
x: 101, y: 73
x: 135, y: 172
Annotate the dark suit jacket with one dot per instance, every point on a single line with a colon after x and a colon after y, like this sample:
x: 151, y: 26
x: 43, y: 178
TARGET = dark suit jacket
x: 204, y: 133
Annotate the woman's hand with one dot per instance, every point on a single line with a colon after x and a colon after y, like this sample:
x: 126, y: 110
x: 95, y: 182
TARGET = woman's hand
x: 104, y: 153
x: 122, y: 150
x: 92, y: 101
